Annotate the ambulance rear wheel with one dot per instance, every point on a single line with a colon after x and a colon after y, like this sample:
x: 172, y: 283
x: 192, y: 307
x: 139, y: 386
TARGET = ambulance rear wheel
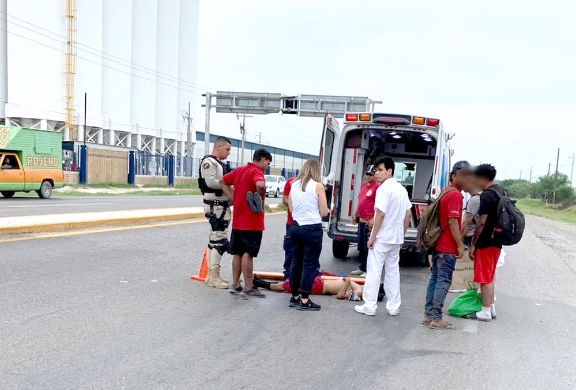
x: 340, y: 249
x: 8, y: 194
x: 45, y: 191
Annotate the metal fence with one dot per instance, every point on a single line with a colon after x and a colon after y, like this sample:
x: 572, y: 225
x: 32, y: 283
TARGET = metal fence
x: 149, y: 164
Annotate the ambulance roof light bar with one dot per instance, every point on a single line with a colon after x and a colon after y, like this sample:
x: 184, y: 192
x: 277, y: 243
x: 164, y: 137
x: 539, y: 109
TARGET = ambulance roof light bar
x: 391, y: 119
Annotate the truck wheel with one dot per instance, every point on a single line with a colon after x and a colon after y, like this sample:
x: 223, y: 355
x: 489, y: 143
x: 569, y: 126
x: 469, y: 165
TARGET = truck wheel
x: 8, y: 194
x: 340, y: 249
x: 45, y: 191
x: 277, y: 194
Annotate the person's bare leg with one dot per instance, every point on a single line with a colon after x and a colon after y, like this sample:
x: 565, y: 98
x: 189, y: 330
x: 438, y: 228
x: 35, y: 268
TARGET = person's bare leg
x: 247, y: 270
x: 487, y: 294
x: 236, y: 269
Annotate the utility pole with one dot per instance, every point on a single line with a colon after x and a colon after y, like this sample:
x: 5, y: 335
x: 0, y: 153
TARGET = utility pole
x: 188, y: 122
x: 556, y: 177
x: 549, y: 164
x: 572, y: 171
x: 259, y: 138
x: 520, y: 174
x: 531, y: 174
x: 243, y: 132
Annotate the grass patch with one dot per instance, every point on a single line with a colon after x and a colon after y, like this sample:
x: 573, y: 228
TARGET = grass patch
x: 267, y: 208
x: 282, y: 207
x: 539, y: 208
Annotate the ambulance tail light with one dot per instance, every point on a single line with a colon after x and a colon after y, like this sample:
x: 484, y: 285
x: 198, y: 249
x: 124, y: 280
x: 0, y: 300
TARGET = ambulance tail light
x: 417, y: 120
x: 420, y: 209
x: 334, y: 191
x: 432, y: 122
x: 351, y: 117
x: 365, y: 117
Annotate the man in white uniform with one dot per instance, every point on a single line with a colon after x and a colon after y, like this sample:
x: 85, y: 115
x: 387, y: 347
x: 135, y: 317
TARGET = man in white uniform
x: 393, y: 213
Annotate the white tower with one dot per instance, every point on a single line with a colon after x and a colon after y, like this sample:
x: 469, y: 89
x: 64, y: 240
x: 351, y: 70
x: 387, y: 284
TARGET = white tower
x: 135, y: 59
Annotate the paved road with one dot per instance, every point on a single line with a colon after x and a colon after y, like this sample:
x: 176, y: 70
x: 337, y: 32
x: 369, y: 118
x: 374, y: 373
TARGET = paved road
x: 116, y: 309
x: 84, y: 204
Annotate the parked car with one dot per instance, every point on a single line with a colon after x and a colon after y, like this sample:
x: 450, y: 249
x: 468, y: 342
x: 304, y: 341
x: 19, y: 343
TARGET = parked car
x: 274, y: 185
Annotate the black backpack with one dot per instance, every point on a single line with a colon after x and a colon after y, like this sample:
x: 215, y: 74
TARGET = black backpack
x: 509, y: 220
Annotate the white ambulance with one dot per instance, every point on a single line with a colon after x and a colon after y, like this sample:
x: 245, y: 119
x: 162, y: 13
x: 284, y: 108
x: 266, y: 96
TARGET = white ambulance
x: 420, y: 148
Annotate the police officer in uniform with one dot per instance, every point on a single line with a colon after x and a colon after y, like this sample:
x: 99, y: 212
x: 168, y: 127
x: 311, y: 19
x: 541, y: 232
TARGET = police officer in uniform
x: 216, y: 208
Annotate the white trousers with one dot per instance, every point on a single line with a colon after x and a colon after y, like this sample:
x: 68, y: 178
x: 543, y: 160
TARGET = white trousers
x: 387, y: 256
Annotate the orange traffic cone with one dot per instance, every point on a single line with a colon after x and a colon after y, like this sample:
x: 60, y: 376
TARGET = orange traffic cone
x: 201, y: 277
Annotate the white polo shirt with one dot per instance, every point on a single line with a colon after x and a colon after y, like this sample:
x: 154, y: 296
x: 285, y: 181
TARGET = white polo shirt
x: 392, y: 199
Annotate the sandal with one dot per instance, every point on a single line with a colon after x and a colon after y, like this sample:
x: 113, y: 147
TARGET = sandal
x: 426, y: 322
x: 444, y: 326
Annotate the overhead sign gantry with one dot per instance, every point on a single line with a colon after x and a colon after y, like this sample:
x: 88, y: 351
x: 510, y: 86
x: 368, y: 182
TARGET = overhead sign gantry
x: 257, y: 103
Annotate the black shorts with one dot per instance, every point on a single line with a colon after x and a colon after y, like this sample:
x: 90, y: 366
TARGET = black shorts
x: 245, y: 241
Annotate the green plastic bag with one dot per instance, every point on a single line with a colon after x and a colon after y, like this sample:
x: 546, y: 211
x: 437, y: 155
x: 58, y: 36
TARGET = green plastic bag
x: 466, y: 303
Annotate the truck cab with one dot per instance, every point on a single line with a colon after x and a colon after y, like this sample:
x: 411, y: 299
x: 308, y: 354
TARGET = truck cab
x: 420, y: 149
x: 30, y: 160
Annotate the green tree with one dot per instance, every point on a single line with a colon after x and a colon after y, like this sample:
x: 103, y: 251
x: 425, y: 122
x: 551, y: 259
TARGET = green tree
x: 545, y: 186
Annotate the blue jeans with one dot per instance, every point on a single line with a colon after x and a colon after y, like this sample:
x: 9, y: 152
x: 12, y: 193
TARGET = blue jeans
x: 306, y: 249
x: 363, y: 245
x: 440, y: 280
x: 287, y: 253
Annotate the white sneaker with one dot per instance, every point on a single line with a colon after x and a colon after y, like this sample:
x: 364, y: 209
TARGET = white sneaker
x: 481, y: 316
x: 363, y: 275
x: 357, y: 272
x: 362, y: 310
x: 394, y: 313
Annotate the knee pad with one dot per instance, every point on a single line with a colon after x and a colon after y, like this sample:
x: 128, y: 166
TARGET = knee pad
x: 222, y: 246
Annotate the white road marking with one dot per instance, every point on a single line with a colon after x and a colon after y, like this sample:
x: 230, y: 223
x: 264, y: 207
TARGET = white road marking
x: 58, y: 205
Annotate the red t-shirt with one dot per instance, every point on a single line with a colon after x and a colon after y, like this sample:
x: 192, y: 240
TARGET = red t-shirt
x: 450, y: 207
x: 244, y: 180
x: 366, y: 199
x: 287, y: 188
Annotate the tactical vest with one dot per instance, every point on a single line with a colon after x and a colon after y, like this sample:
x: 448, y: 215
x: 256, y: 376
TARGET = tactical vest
x: 202, y: 183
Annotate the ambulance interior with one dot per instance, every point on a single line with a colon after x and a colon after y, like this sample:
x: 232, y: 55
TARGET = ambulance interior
x: 413, y: 152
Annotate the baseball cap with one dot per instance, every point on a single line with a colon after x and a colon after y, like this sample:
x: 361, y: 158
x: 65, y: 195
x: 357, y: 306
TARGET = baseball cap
x: 462, y: 166
x: 370, y: 171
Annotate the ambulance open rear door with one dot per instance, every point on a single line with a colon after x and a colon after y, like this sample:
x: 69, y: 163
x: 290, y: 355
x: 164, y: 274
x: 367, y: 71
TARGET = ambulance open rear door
x: 328, y: 161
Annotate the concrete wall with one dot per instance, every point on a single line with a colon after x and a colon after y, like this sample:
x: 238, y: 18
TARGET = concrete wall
x: 162, y: 180
x: 106, y: 166
x: 71, y: 177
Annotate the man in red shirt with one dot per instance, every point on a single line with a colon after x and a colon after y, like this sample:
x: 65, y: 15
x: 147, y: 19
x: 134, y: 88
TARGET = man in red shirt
x: 287, y: 242
x: 364, y: 216
x: 448, y: 248
x: 247, y: 218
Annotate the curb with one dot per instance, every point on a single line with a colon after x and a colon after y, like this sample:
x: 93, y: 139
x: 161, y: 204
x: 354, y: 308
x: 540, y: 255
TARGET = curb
x: 74, y: 225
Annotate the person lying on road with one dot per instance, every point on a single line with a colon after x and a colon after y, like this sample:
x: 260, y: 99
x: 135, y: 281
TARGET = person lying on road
x: 342, y: 288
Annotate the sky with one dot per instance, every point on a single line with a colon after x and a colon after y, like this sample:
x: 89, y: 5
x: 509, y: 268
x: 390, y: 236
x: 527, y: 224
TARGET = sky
x: 501, y: 75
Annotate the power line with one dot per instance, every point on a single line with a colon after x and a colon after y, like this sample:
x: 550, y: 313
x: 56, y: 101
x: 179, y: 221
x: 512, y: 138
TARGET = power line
x: 102, y: 53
